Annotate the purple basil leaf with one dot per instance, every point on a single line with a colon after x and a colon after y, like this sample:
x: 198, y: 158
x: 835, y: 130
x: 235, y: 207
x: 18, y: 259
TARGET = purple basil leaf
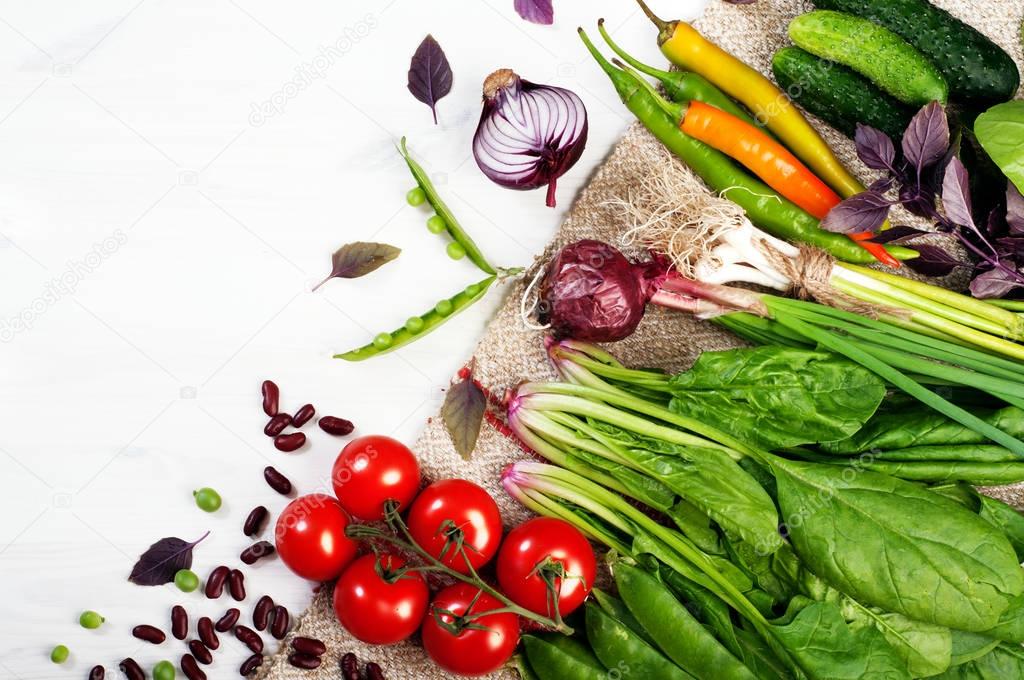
x: 927, y: 137
x: 956, y: 194
x: 897, y: 234
x: 919, y: 200
x: 536, y: 11
x: 359, y: 258
x: 163, y: 560
x: 862, y: 212
x: 874, y: 148
x: 881, y: 185
x: 995, y: 283
x: 1011, y: 247
x: 430, y: 75
x: 1014, y: 210
x: 933, y: 261
x: 741, y: 2
x: 463, y: 414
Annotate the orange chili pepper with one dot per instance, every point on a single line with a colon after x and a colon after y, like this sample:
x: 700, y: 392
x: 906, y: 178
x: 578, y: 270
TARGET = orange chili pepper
x: 762, y: 155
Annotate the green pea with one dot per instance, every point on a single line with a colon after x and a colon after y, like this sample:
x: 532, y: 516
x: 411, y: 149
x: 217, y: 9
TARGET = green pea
x: 444, y: 307
x: 472, y: 289
x: 186, y: 580
x: 437, y: 225
x: 414, y: 324
x: 163, y: 670
x: 416, y: 196
x: 456, y: 251
x: 207, y: 499
x: 59, y: 654
x: 382, y: 340
x: 90, y: 619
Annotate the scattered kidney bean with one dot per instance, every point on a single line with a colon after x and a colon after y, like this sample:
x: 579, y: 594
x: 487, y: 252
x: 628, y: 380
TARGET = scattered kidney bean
x: 251, y: 664
x: 207, y: 634
x: 336, y: 426
x: 374, y: 672
x: 226, y: 622
x: 249, y: 638
x: 279, y: 628
x: 303, y: 415
x: 97, y: 673
x: 191, y: 669
x: 350, y: 667
x: 132, y: 670
x: 236, y: 583
x: 277, y: 481
x: 261, y: 612
x: 289, y: 442
x: 179, y: 622
x: 149, y: 634
x: 257, y: 551
x: 200, y: 652
x: 215, y: 582
x: 256, y: 520
x: 276, y: 425
x: 308, y: 645
x: 304, y: 660
x: 271, y: 398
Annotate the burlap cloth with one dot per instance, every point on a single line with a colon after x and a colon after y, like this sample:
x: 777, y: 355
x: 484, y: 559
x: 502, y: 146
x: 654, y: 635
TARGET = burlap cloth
x: 509, y: 353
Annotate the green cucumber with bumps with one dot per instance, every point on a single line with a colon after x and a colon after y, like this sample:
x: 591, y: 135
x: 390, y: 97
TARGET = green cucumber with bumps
x: 838, y: 95
x: 875, y: 52
x: 974, y: 67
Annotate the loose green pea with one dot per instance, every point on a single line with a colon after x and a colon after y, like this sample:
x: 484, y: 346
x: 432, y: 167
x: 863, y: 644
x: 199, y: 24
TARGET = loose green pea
x: 59, y: 654
x: 414, y: 324
x: 382, y: 340
x: 444, y: 307
x: 207, y: 499
x: 416, y: 196
x: 186, y: 580
x: 163, y: 670
x: 437, y: 225
x: 456, y: 251
x: 90, y: 619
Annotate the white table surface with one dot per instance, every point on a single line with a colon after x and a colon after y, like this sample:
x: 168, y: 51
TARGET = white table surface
x: 158, y: 241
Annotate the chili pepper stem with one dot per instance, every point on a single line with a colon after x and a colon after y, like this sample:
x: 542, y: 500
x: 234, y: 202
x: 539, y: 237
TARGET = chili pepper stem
x: 665, y: 28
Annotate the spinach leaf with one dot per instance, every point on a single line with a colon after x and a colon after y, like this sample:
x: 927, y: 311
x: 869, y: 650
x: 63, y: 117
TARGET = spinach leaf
x: 1006, y: 518
x: 758, y: 656
x: 970, y: 646
x: 892, y: 544
x: 1001, y: 133
x: 1002, y: 663
x: 778, y: 397
x: 1010, y: 627
x: 925, y: 648
x: 947, y: 471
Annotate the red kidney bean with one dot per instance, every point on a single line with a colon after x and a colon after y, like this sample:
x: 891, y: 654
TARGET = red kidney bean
x: 276, y: 425
x: 308, y: 645
x: 304, y: 661
x: 374, y: 672
x: 257, y: 551
x: 271, y: 398
x: 215, y: 582
x: 336, y: 426
x: 200, y: 652
x: 249, y: 638
x: 207, y: 634
x: 97, y: 673
x: 279, y: 628
x: 191, y: 669
x: 256, y: 520
x: 179, y: 622
x: 226, y: 622
x: 149, y: 634
x: 303, y: 415
x: 277, y: 481
x: 236, y: 584
x: 349, y: 667
x: 132, y: 670
x: 289, y: 442
x: 261, y: 612
x: 251, y: 664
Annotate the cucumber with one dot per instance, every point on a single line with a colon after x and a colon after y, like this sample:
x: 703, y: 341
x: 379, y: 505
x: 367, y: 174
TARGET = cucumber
x: 883, y: 57
x: 837, y: 95
x: 974, y: 67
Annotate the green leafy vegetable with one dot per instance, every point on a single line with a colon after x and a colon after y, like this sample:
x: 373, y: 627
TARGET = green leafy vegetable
x: 1002, y: 663
x: 1000, y: 130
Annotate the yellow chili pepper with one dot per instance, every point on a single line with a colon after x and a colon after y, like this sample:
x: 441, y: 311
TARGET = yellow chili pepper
x: 689, y: 50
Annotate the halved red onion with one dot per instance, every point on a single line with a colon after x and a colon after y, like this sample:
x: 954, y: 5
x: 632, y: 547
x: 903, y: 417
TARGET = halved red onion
x: 529, y: 135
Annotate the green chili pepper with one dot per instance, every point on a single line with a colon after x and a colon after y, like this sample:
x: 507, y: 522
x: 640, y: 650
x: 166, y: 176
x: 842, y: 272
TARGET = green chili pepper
x: 419, y: 326
x: 557, y: 657
x: 619, y: 648
x: 451, y: 224
x: 764, y: 207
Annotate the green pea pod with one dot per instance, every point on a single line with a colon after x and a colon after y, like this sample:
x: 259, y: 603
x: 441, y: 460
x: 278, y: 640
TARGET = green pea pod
x: 678, y: 634
x: 618, y: 610
x: 557, y: 657
x: 620, y: 649
x: 457, y: 233
x: 418, y: 326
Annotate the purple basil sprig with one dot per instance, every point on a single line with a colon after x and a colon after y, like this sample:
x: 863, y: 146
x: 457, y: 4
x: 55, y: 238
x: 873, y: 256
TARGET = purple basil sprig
x: 536, y: 11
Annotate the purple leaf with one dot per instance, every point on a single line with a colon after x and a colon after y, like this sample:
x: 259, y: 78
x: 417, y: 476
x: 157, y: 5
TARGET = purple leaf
x: 430, y: 75
x: 956, y: 194
x: 741, y: 2
x: 927, y: 137
x: 163, y: 560
x: 463, y: 414
x: 536, y: 11
x: 995, y: 283
x: 874, y: 148
x: 862, y: 212
x: 1011, y: 247
x: 353, y: 260
x: 933, y: 261
x: 1014, y: 210
x: 897, y: 234
x: 883, y: 184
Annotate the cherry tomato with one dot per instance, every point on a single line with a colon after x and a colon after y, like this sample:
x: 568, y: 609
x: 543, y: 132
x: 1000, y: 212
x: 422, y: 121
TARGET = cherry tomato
x: 472, y: 651
x: 311, y: 538
x: 371, y: 470
x: 546, y: 547
x: 375, y: 610
x: 447, y: 508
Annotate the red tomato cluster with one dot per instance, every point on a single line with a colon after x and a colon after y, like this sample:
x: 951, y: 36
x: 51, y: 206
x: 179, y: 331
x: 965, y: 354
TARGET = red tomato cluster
x: 379, y: 601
